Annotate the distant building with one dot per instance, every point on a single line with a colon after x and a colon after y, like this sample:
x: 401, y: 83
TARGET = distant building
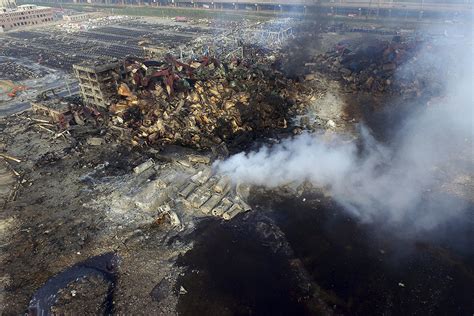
x: 12, y: 16
x: 7, y: 4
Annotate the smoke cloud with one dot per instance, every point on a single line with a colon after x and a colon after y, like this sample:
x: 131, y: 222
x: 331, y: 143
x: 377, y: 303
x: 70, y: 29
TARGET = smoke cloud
x: 393, y: 183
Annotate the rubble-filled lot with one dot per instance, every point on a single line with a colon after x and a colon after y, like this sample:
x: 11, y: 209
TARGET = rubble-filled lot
x: 22, y: 81
x: 120, y: 210
x: 226, y: 103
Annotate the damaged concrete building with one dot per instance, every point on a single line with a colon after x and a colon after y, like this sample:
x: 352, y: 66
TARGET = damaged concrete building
x: 13, y: 16
x: 98, y: 81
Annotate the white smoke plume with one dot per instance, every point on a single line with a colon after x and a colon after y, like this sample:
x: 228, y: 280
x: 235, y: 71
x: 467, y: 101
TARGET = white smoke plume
x: 379, y: 182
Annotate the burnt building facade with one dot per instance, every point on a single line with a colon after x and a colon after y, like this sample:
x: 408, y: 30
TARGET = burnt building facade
x: 98, y: 82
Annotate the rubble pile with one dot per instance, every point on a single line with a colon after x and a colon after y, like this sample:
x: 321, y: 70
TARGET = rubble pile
x: 172, y: 189
x: 66, y: 113
x: 202, y: 103
x: 261, y: 40
x: 169, y: 27
x: 94, y: 21
x: 210, y: 194
x: 371, y: 66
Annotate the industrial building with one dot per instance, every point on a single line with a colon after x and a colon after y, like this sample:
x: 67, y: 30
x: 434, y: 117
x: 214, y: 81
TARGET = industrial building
x: 13, y: 16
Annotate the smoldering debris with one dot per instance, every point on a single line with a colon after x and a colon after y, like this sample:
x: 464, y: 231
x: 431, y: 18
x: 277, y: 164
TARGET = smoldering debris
x: 202, y: 103
x: 379, y: 182
x: 177, y: 192
x: 404, y: 67
x: 230, y: 94
x: 78, y: 194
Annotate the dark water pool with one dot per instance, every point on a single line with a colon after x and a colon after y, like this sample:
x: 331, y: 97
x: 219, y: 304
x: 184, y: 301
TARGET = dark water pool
x: 354, y: 268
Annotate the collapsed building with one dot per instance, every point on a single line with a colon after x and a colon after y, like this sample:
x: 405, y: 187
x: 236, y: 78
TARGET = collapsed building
x: 222, y: 90
x: 199, y: 104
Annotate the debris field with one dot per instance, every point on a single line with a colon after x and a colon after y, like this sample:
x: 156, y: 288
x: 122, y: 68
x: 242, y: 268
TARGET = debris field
x: 106, y: 194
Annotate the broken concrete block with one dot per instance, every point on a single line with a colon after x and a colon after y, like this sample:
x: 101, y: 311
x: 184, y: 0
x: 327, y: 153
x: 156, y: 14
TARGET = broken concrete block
x: 95, y: 141
x: 222, y: 207
x: 199, y: 159
x: 202, y: 176
x: 174, y: 219
x: 144, y: 166
x: 190, y: 187
x: 211, y: 203
x: 222, y: 184
x: 182, y: 291
x: 232, y: 212
x: 165, y: 208
x: 330, y: 123
x: 165, y: 211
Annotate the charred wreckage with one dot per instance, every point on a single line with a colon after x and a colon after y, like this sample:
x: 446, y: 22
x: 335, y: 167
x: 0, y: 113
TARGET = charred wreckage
x: 218, y: 100
x: 221, y: 93
x: 145, y: 132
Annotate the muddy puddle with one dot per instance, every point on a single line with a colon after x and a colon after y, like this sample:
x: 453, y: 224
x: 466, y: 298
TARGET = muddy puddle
x: 237, y: 268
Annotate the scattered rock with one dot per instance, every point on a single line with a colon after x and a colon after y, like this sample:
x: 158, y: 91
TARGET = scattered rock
x: 95, y: 141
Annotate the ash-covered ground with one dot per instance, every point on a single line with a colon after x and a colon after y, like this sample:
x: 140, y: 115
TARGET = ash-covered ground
x: 148, y: 207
